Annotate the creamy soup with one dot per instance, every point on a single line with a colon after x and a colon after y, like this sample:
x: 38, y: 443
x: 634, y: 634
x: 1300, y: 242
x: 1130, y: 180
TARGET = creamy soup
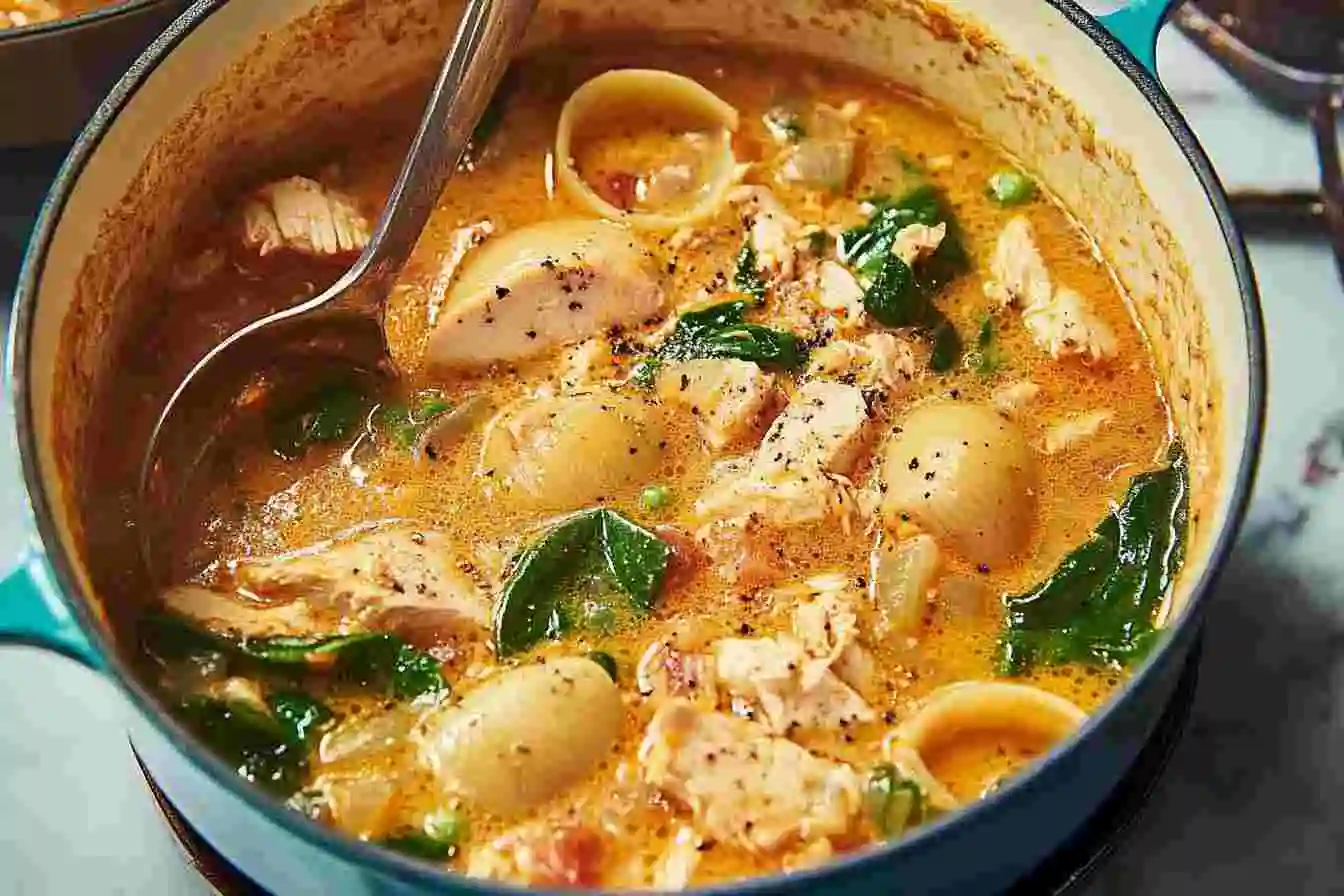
x: 774, y: 467
x: 17, y: 13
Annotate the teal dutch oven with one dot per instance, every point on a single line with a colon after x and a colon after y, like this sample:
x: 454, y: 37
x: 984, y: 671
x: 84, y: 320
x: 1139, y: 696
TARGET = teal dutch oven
x: 1073, y: 96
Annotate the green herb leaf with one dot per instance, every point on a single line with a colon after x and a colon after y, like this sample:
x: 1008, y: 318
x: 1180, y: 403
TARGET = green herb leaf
x: 721, y: 331
x: 367, y: 660
x: 747, y: 278
x: 403, y: 424
x: 573, y: 562
x: 299, y: 715
x: 606, y: 661
x: 1097, y: 608
x: 385, y: 662
x: 894, y: 803
x: 986, y: 359
x: 328, y: 414
x: 1010, y: 187
x: 895, y: 293
x: 258, y: 746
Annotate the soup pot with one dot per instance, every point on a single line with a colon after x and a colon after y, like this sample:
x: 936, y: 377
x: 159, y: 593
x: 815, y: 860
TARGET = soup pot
x: 53, y: 75
x: 229, y: 83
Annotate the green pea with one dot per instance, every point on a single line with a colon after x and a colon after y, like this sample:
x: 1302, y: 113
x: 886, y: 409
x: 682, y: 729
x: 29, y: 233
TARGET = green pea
x: 655, y: 497
x: 1009, y: 187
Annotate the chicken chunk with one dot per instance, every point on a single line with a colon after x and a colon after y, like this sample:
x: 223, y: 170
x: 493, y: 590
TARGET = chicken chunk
x: 728, y: 397
x: 462, y: 241
x: 916, y: 241
x: 1066, y: 433
x: 822, y: 430
x: 534, y: 290
x: 743, y: 785
x: 301, y: 215
x: 771, y: 231
x: 665, y: 671
x: 1065, y: 327
x: 1011, y: 398
x: 1057, y: 318
x: 877, y: 361
x: 839, y: 291
x: 1019, y: 276
x: 785, y: 687
x: 236, y: 613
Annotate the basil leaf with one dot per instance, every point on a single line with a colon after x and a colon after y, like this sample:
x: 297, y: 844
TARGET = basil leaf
x: 574, y: 562
x: 721, y: 331
x: 1097, y: 608
x: 894, y: 803
x: 258, y: 746
x: 747, y: 278
x: 299, y: 715
x: 327, y: 414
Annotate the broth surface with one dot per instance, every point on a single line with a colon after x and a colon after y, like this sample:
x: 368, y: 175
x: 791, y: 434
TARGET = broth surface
x: 613, y: 827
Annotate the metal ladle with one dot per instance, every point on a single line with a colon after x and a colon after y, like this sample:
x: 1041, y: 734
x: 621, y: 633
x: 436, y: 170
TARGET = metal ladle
x: 340, y: 330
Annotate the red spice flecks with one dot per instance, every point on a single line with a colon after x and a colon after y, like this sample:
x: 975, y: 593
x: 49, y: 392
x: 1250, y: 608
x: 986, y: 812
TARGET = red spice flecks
x: 618, y: 188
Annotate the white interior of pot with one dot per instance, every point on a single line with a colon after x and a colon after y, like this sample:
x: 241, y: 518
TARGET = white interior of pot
x: 1093, y: 138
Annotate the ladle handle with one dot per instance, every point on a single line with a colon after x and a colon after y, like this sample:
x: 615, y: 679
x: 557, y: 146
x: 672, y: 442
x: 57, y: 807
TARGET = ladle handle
x: 487, y: 36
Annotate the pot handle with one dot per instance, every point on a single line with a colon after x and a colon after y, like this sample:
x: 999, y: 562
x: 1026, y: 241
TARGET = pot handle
x: 32, y: 612
x: 1136, y: 25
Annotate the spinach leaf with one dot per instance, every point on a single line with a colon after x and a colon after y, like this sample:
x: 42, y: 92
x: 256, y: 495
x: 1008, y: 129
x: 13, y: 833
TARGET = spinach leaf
x: 327, y: 414
x: 1097, y: 607
x: 986, y: 359
x: 894, y: 803
x: 403, y: 424
x: 575, y: 560
x: 897, y: 294
x: 385, y: 662
x: 299, y: 715
x: 438, y: 840
x: 366, y: 660
x: 747, y: 278
x: 721, y: 331
x: 258, y: 746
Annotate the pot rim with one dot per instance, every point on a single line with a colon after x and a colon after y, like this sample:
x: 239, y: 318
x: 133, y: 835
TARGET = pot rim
x: 365, y: 853
x: 57, y: 27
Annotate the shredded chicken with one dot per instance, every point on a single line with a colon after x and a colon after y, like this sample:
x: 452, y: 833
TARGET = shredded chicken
x: 302, y: 215
x: 1058, y: 318
x: 771, y: 230
x: 1065, y: 434
x: 729, y: 398
x: 743, y: 785
x: 838, y: 291
x: 877, y: 361
x: 376, y: 580
x: 1013, y: 397
x: 587, y: 364
x: 676, y: 867
x: 916, y: 241
x: 664, y: 671
x: 823, y: 430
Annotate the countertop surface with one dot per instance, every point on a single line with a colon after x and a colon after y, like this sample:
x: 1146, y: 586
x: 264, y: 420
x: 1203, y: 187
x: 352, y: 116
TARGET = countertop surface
x: 1254, y: 798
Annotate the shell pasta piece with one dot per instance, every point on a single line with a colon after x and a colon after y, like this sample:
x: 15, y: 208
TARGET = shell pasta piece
x: 642, y: 92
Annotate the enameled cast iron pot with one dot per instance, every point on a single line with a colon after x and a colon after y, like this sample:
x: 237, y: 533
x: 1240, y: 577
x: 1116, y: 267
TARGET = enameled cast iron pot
x: 53, y: 75
x: 1075, y: 99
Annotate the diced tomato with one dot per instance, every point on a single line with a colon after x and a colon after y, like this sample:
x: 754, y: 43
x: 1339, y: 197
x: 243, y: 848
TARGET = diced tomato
x: 618, y: 188
x: 569, y: 856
